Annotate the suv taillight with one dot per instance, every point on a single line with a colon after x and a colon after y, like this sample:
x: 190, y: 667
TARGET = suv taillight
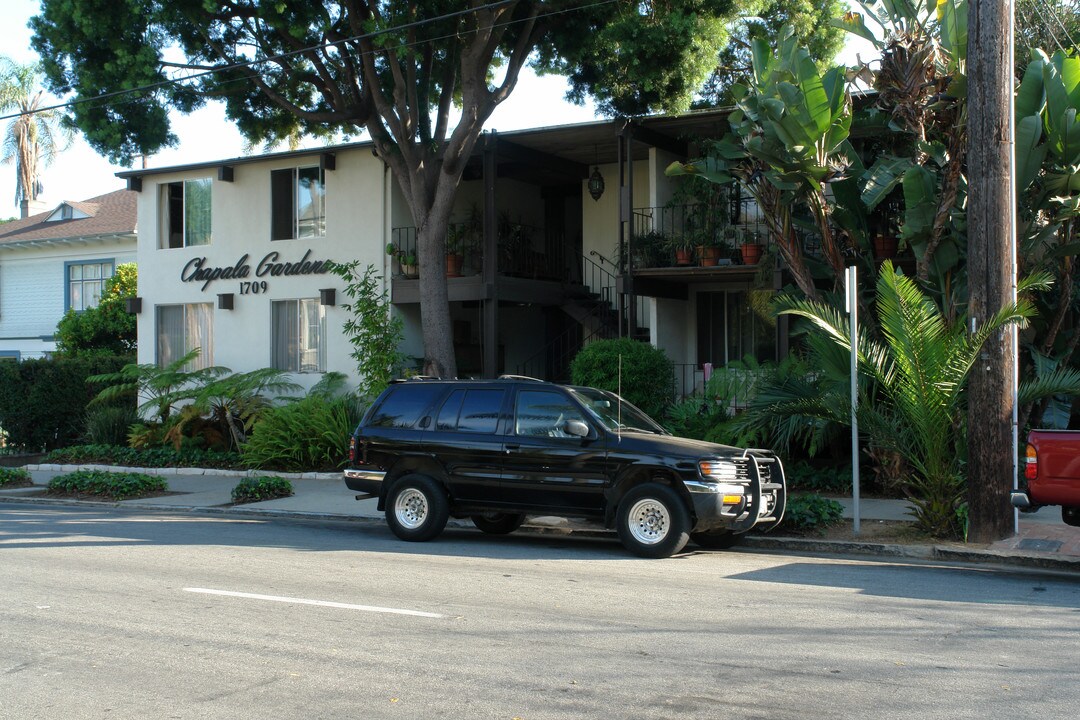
x: 1031, y: 468
x: 352, y: 449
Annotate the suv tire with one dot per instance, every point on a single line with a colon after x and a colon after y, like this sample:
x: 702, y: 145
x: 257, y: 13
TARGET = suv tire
x: 417, y: 508
x: 498, y: 523
x: 652, y: 521
x: 716, y: 539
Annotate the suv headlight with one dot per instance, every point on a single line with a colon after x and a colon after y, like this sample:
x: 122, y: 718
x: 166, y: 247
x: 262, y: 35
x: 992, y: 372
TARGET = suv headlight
x: 718, y: 470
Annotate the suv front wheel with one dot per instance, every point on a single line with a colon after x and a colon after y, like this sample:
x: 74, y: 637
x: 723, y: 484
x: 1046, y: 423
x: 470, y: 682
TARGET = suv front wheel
x: 653, y: 521
x: 417, y: 508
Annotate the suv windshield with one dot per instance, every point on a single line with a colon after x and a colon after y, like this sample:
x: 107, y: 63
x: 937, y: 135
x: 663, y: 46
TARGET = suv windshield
x: 614, y: 413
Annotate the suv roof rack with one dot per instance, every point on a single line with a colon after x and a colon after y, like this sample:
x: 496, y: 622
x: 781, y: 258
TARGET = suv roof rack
x: 395, y: 381
x: 525, y: 378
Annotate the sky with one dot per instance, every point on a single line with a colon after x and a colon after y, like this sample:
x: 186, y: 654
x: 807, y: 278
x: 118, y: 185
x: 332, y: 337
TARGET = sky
x: 80, y: 173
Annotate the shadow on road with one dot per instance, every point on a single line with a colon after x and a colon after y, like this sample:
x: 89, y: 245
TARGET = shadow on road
x: 925, y: 582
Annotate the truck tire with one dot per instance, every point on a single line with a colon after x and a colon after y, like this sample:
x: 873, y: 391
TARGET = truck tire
x: 498, y: 523
x: 1070, y: 516
x: 653, y: 521
x: 417, y: 508
x: 716, y: 539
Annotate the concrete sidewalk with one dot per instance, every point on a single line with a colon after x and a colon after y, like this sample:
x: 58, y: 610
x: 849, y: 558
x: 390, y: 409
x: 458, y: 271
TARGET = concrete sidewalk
x: 1043, y: 541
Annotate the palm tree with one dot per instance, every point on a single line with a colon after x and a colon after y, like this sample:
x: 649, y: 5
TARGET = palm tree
x: 35, y: 136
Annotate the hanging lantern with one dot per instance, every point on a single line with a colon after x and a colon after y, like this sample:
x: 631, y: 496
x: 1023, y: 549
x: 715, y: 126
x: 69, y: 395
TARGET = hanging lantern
x: 596, y: 184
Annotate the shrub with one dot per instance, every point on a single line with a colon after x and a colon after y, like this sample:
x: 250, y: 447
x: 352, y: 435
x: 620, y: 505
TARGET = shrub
x: 143, y: 457
x: 647, y: 379
x: 14, y: 477
x: 811, y: 512
x: 309, y: 434
x: 109, y: 425
x: 112, y: 485
x: 261, y: 488
x: 43, y: 402
x: 804, y: 477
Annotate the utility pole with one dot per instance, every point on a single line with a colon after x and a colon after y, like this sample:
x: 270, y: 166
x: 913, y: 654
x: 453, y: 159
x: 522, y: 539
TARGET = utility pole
x: 991, y: 266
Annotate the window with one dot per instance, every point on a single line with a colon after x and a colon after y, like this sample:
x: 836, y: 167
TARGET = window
x: 185, y: 213
x: 298, y: 342
x: 731, y: 325
x: 298, y: 200
x: 475, y: 411
x: 86, y: 283
x: 405, y: 405
x: 181, y: 329
x: 542, y: 413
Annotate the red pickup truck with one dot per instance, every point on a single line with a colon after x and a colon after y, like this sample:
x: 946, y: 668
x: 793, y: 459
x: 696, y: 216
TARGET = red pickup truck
x: 1052, y: 470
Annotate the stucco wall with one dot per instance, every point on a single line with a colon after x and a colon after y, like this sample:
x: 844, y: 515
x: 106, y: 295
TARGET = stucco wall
x: 356, y: 210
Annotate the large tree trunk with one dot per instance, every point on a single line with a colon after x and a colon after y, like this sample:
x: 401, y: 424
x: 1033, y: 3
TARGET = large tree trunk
x: 439, y: 358
x: 991, y: 270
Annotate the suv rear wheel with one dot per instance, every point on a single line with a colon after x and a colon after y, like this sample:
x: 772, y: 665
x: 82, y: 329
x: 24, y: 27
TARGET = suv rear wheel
x: 417, y: 508
x: 653, y: 521
x: 498, y: 523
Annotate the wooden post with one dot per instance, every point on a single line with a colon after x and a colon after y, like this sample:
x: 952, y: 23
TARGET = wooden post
x: 991, y: 267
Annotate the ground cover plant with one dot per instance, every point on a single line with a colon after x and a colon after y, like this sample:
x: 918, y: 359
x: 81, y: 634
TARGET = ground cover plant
x: 143, y: 457
x: 810, y: 513
x: 261, y: 488
x: 14, y: 477
x: 109, y: 485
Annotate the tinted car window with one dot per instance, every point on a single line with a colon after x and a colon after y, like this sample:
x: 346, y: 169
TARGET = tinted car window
x: 404, y: 405
x: 480, y: 411
x: 448, y: 415
x: 539, y: 413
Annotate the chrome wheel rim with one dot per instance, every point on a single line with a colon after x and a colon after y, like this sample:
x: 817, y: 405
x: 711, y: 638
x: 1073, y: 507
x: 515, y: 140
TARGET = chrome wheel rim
x: 411, y: 508
x: 649, y: 521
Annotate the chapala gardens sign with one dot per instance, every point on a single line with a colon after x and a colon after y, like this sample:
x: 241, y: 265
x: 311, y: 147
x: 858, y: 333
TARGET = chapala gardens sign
x: 197, y: 270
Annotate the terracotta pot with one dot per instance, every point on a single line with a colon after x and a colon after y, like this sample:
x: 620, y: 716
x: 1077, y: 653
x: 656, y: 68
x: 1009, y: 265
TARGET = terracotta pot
x: 885, y: 246
x: 683, y: 257
x: 453, y: 264
x: 708, y: 255
x: 410, y: 271
x: 751, y: 253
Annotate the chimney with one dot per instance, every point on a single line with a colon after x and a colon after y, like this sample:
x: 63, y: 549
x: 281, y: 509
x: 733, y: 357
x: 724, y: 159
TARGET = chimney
x: 32, y: 207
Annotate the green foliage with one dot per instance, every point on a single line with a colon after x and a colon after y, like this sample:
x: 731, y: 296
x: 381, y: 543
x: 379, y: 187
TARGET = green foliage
x: 36, y: 134
x: 911, y: 386
x: 372, y: 330
x: 810, y: 512
x: 303, y: 436
x: 641, y: 371
x: 108, y: 424
x: 261, y: 488
x: 108, y: 328
x: 43, y: 401
x: 14, y: 477
x: 161, y: 386
x: 111, y: 485
x: 151, y: 457
x: 804, y: 477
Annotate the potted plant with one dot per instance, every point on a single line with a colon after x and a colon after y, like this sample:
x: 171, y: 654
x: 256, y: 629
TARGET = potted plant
x: 751, y: 248
x: 684, y: 250
x: 455, y: 256
x: 406, y: 260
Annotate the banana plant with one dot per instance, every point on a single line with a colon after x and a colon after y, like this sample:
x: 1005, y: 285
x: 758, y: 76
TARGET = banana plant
x: 788, y: 141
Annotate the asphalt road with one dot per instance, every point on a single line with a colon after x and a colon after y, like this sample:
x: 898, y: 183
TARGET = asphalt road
x: 118, y: 614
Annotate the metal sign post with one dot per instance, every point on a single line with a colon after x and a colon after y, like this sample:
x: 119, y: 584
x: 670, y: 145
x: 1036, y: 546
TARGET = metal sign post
x: 852, y: 302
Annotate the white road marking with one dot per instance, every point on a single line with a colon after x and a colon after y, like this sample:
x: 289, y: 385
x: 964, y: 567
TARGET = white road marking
x: 323, y: 603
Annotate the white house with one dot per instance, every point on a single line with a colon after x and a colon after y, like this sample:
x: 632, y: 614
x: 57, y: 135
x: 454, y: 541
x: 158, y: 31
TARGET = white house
x: 232, y: 255
x: 58, y: 260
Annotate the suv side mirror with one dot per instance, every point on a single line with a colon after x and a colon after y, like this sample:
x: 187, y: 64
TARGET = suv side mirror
x: 577, y: 428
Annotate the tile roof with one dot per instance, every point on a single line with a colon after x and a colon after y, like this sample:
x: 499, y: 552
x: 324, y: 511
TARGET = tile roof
x: 111, y: 214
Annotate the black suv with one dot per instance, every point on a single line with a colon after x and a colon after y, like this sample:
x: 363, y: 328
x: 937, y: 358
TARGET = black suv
x: 496, y: 450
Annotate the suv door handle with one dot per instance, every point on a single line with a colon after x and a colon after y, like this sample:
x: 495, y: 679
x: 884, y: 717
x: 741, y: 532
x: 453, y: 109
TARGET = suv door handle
x: 511, y: 446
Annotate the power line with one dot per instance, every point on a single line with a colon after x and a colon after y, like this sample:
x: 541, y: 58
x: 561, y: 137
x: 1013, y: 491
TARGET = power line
x: 292, y: 53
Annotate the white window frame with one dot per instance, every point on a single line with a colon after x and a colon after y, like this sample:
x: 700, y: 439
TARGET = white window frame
x: 315, y: 226
x: 190, y: 336
x: 165, y: 223
x: 309, y: 339
x: 102, y: 266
